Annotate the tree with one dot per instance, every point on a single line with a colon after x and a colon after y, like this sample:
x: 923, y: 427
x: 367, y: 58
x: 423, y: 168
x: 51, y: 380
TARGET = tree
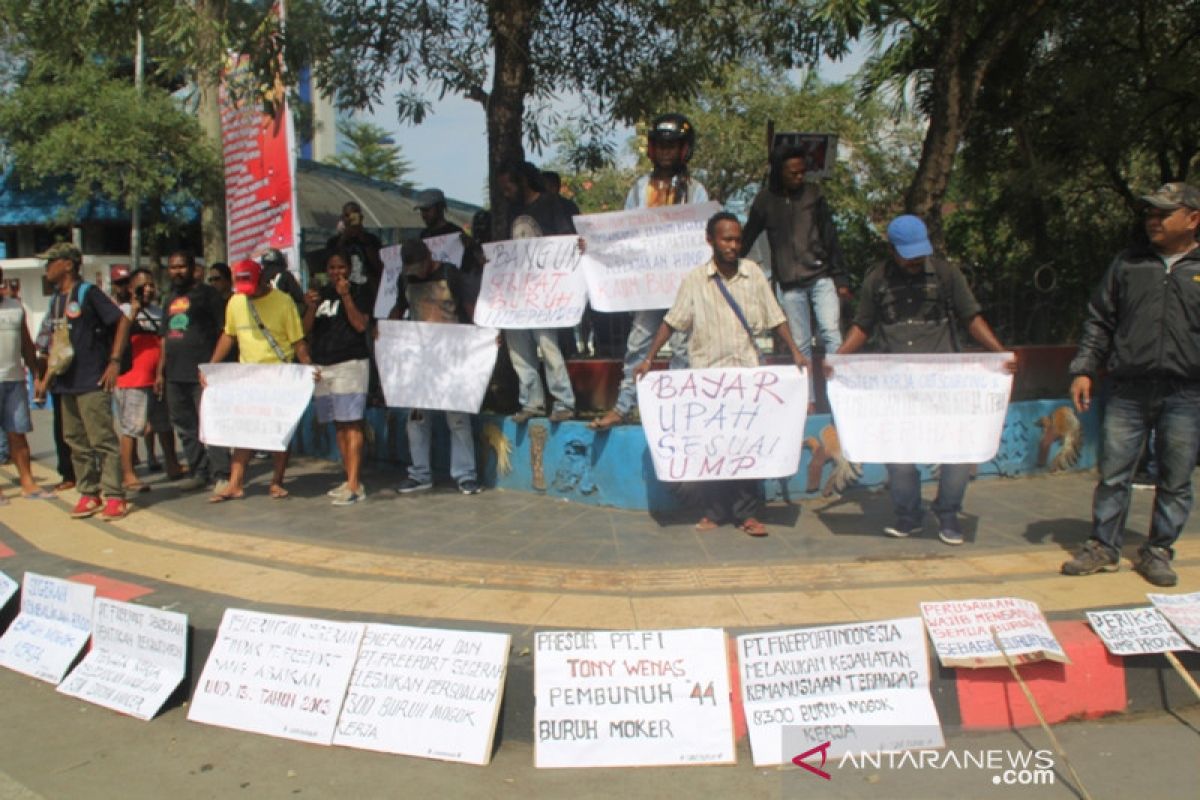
x: 373, y: 153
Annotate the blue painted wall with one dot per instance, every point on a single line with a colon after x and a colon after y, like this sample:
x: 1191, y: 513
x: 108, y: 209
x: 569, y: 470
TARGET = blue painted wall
x: 614, y: 469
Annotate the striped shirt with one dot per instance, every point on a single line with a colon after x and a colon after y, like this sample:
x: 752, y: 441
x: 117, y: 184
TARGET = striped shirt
x: 717, y: 337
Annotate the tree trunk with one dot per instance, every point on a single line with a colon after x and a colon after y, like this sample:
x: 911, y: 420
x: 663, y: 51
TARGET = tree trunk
x: 212, y: 211
x: 511, y: 22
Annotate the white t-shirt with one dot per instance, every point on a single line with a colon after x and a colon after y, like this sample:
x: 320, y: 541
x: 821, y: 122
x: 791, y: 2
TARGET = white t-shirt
x: 12, y: 320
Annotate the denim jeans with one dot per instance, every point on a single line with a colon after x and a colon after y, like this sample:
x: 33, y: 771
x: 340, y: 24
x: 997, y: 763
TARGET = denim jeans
x: 523, y: 346
x: 801, y: 305
x: 637, y: 347
x: 904, y: 483
x: 420, y: 441
x: 1172, y: 410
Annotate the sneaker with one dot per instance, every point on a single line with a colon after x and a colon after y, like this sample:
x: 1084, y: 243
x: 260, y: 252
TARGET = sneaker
x: 349, y: 498
x: 469, y: 487
x: 339, y: 491
x: 1154, y: 564
x: 950, y: 533
x: 409, y: 485
x: 524, y: 415
x: 1092, y: 557
x: 562, y: 415
x: 116, y: 508
x: 898, y: 531
x: 88, y: 505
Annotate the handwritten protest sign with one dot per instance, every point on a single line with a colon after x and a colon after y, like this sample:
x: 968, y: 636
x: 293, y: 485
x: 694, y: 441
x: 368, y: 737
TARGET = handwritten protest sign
x: 278, y: 675
x: 253, y: 406
x: 138, y: 658
x: 920, y: 409
x: 961, y: 632
x: 425, y: 692
x: 1182, y: 611
x: 637, y: 259
x: 389, y: 283
x: 862, y: 687
x: 8, y: 588
x: 53, y: 626
x: 437, y: 366
x: 532, y: 283
x: 1134, y: 631
x: 724, y: 422
x: 448, y: 248
x: 631, y: 698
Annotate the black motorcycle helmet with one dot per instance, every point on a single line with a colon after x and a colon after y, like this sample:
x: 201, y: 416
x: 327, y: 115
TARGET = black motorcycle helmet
x: 673, y: 128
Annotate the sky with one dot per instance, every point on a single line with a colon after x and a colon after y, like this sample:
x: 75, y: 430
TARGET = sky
x: 448, y: 150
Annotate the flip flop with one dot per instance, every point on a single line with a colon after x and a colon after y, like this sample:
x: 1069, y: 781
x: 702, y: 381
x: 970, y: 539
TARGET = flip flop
x: 225, y: 498
x: 40, y: 494
x: 279, y: 493
x: 610, y: 420
x: 753, y: 527
x: 138, y: 487
x: 706, y: 524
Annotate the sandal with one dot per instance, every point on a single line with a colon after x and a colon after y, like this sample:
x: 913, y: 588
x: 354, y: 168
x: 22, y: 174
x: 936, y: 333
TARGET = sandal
x: 137, y: 488
x: 610, y: 420
x: 753, y: 527
x: 226, y: 497
x: 706, y: 524
x: 278, y: 492
x: 65, y: 486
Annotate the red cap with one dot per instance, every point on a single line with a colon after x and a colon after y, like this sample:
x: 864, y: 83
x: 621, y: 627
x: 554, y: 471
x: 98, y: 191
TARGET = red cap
x: 246, y: 274
x: 118, y: 273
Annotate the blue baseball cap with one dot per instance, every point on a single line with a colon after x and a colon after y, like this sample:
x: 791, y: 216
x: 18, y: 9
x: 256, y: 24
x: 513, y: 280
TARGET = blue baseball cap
x: 909, y: 236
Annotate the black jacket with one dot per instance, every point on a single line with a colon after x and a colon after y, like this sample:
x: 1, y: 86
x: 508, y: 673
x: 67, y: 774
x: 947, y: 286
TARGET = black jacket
x: 804, y: 241
x: 1142, y: 320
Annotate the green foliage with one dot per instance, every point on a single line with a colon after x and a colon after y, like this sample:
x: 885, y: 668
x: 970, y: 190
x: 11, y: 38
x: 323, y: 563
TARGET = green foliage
x: 373, y: 153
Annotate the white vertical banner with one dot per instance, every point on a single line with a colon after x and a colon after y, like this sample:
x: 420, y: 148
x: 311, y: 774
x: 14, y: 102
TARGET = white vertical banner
x: 434, y: 365
x: 636, y: 259
x: 53, y: 626
x: 945, y: 408
x: 389, y: 284
x: 532, y: 283
x: 253, y: 406
x: 724, y: 422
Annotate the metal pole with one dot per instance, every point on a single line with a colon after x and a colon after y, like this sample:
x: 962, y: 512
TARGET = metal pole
x: 135, y: 233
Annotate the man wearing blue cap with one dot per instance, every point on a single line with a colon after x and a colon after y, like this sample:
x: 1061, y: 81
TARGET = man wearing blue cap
x: 914, y: 303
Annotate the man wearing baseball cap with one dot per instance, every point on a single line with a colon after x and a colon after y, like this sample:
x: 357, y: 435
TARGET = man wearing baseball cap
x: 1141, y: 328
x: 915, y: 303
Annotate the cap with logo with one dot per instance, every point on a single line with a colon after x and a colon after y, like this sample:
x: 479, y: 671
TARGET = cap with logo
x: 246, y: 275
x: 119, y: 273
x: 428, y: 198
x: 907, y: 233
x: 1171, y: 196
x: 62, y: 250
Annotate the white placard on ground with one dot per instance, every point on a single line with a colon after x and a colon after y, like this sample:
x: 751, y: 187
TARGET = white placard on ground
x: 389, y: 282
x: 961, y: 632
x: 138, y: 658
x: 632, y: 698
x: 637, y: 259
x: 253, y: 406
x: 724, y: 422
x: 532, y: 283
x: 1182, y: 611
x: 53, y: 626
x: 920, y: 409
x: 444, y: 367
x: 8, y: 588
x: 1135, y: 631
x: 278, y: 675
x: 448, y: 248
x: 425, y: 692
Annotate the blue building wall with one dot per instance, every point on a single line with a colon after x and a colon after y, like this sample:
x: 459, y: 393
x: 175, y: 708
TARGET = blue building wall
x: 571, y: 461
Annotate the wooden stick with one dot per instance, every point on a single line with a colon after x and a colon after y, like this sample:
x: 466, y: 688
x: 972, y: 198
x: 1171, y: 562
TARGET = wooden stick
x: 1183, y: 673
x: 1037, y: 711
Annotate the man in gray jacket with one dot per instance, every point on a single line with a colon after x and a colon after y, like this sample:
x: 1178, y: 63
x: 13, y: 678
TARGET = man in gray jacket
x: 1142, y: 326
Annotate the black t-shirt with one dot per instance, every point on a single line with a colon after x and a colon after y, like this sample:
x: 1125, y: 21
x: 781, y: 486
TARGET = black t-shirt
x: 333, y: 338
x: 363, y: 252
x: 194, y: 320
x: 92, y: 320
x: 440, y: 297
x: 548, y: 215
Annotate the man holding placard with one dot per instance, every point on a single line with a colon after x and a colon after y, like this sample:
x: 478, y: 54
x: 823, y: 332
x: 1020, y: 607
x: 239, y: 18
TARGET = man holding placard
x: 721, y: 306
x: 914, y: 303
x: 669, y: 145
x: 266, y: 327
x: 1141, y: 326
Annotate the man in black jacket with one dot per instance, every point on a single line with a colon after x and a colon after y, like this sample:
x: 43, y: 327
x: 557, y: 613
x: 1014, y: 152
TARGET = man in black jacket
x: 1142, y: 326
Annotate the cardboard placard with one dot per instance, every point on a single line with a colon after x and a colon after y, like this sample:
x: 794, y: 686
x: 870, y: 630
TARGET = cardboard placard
x: 448, y: 248
x: 425, y: 692
x: 637, y: 259
x: 724, y: 422
x: 138, y: 658
x: 389, y: 282
x: 53, y: 626
x: 1135, y: 631
x: 277, y: 675
x: 920, y: 409
x: 632, y: 698
x: 862, y: 687
x: 532, y: 284
x: 436, y: 366
x: 8, y: 588
x: 1182, y: 611
x: 961, y: 632
x: 253, y: 406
